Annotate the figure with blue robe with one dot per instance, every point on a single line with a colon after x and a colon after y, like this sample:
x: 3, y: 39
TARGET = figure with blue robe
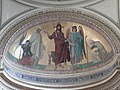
x: 26, y: 49
x: 76, y: 41
x: 27, y: 54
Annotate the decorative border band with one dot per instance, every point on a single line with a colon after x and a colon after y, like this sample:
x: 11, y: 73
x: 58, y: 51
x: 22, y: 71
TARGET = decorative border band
x: 38, y: 80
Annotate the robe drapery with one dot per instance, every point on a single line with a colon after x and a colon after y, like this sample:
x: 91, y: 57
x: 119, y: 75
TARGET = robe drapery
x: 27, y: 61
x: 76, y: 42
x: 37, y: 46
x: 102, y: 53
x: 61, y: 47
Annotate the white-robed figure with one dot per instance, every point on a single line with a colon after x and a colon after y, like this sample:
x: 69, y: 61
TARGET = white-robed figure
x: 37, y: 46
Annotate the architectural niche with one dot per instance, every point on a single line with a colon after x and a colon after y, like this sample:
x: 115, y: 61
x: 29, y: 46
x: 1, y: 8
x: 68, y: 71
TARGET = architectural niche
x: 89, y: 79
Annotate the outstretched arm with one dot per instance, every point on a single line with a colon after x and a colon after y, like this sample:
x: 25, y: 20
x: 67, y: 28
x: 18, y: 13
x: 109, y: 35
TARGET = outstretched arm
x: 46, y: 32
x: 21, y: 40
x: 50, y: 36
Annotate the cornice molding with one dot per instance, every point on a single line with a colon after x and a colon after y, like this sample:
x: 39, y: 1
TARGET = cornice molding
x: 55, y: 3
x: 111, y: 84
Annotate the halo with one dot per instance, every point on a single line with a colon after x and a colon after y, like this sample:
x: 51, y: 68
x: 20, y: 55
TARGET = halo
x: 58, y: 23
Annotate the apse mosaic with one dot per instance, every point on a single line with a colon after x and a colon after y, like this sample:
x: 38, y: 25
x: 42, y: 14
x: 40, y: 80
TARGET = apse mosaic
x: 58, y: 46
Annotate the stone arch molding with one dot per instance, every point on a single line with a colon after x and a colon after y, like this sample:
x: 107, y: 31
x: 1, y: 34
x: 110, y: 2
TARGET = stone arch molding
x: 38, y: 17
x: 57, y: 3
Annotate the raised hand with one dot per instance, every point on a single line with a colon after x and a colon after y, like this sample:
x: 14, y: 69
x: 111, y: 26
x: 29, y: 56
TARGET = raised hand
x: 46, y: 32
x: 21, y: 40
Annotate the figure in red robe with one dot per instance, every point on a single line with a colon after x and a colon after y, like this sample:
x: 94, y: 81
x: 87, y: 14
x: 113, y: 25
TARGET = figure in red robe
x: 61, y: 47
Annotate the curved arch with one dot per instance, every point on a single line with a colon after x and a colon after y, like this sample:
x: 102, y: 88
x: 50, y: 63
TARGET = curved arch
x: 38, y: 17
x: 56, y: 3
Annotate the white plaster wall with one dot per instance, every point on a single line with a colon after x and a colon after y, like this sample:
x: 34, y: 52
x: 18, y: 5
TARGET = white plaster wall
x: 109, y: 8
x: 119, y: 11
x: 11, y: 9
x: 0, y: 12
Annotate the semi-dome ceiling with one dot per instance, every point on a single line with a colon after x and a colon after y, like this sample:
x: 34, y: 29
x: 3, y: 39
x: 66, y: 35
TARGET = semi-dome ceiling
x: 33, y: 57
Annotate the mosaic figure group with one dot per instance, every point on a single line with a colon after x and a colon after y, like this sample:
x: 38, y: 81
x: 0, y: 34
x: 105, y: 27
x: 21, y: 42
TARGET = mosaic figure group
x: 67, y: 49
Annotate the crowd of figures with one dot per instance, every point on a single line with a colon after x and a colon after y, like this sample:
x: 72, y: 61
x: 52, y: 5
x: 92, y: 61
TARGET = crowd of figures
x: 67, y: 49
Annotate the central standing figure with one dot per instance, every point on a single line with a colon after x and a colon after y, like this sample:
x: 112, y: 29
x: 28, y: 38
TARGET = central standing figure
x: 61, y: 47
